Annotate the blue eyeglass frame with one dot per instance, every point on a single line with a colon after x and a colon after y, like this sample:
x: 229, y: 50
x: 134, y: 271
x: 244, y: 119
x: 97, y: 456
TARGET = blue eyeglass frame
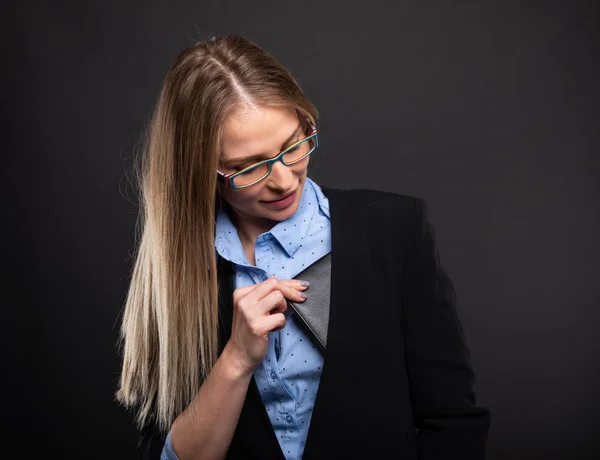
x: 228, y: 180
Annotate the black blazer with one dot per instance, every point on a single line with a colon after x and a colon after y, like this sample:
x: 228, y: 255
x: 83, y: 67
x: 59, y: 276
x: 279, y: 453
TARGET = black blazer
x: 397, y: 379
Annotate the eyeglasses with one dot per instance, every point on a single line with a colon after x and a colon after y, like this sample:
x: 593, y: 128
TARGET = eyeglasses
x: 258, y: 171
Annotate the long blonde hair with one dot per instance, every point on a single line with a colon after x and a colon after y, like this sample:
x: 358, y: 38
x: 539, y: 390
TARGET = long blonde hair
x: 169, y: 331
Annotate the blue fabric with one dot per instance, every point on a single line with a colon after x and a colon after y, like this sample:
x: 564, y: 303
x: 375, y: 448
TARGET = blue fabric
x: 168, y: 453
x: 288, y: 378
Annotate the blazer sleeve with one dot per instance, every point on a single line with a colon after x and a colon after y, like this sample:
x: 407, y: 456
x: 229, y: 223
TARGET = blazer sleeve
x: 441, y: 376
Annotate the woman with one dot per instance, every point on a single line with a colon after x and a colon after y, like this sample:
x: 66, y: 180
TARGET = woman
x: 215, y: 361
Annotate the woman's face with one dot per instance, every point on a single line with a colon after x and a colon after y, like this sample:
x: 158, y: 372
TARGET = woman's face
x: 261, y: 132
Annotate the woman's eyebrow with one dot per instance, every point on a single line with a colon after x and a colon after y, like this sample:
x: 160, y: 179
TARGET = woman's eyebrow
x: 261, y: 156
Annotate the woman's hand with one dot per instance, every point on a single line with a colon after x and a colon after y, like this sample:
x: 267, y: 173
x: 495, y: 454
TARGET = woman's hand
x: 257, y: 310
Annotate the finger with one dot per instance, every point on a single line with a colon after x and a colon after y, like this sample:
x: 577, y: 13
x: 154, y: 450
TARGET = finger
x: 300, y: 285
x: 273, y: 323
x: 277, y: 328
x: 279, y: 308
x: 291, y: 292
x: 261, y: 290
x: 242, y: 291
x: 269, y: 285
x: 274, y: 302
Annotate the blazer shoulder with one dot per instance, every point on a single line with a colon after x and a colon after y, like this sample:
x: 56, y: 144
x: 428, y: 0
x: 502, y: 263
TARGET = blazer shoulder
x: 391, y: 203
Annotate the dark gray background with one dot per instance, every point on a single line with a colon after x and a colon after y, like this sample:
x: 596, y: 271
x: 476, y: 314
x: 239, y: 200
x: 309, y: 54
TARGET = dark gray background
x: 488, y: 110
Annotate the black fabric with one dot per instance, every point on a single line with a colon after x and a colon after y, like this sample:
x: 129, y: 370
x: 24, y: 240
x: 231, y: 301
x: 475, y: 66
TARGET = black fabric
x: 397, y: 379
x: 150, y: 443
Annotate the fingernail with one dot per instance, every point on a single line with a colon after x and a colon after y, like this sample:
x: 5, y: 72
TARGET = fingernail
x: 304, y: 283
x: 303, y: 295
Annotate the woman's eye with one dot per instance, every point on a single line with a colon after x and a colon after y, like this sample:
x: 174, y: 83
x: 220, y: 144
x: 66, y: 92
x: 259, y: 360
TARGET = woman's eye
x: 293, y: 149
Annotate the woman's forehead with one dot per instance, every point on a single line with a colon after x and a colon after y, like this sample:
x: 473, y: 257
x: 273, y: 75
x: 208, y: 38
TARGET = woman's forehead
x: 257, y: 130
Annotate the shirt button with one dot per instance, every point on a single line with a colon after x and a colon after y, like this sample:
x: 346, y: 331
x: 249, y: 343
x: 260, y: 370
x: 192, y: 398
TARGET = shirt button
x: 289, y: 419
x: 273, y: 375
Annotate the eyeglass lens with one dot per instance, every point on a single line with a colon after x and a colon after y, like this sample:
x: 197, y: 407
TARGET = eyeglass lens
x: 290, y: 157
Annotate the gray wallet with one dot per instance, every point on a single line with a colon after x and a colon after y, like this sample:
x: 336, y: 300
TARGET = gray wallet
x: 314, y: 311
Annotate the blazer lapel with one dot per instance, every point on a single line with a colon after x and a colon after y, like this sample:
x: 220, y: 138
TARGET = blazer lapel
x: 260, y: 436
x: 349, y: 257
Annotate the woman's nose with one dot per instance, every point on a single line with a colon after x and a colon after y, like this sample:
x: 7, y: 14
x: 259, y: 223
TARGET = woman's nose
x: 281, y: 177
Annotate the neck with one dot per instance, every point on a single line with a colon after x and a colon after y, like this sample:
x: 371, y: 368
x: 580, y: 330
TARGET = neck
x: 249, y: 228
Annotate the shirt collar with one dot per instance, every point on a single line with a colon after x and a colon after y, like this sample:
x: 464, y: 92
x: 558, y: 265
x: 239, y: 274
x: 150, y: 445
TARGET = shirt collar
x: 290, y: 233
x: 227, y: 241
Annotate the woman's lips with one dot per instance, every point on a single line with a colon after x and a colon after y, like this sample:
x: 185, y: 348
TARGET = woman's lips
x: 281, y: 203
